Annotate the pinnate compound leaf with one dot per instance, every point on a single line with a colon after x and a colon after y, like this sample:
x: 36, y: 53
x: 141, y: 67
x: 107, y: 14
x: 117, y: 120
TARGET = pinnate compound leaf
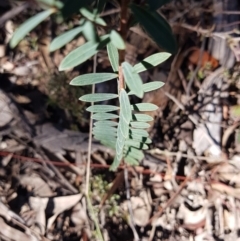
x: 144, y: 107
x: 113, y: 56
x: 104, y: 116
x: 82, y: 53
x: 105, y: 123
x: 94, y: 78
x: 98, y: 97
x: 125, y: 107
x: 64, y: 38
x: 102, y: 108
x: 117, y: 40
x: 151, y: 61
x: 92, y: 17
x: 156, y: 26
x: 29, y: 25
x: 133, y: 80
x: 141, y: 117
x: 142, y: 125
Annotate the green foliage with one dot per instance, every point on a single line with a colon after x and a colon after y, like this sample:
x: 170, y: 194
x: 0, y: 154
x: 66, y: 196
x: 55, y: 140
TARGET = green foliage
x: 133, y: 80
x: 113, y: 56
x: 65, y: 38
x: 151, y: 61
x: 156, y: 26
x: 121, y: 127
x: 89, y: 79
x: 82, y: 53
x: 29, y: 25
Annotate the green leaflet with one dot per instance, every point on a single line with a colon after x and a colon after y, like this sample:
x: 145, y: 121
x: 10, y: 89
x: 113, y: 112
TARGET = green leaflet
x: 144, y: 107
x: 142, y: 133
x: 94, y: 78
x: 134, y: 153
x: 147, y: 87
x: 82, y: 53
x: 89, y: 32
x: 29, y: 25
x: 154, y: 85
x: 156, y: 26
x: 99, y: 130
x: 64, y: 38
x: 125, y: 107
x: 113, y: 56
x: 141, y: 117
x: 108, y: 143
x: 142, y: 125
x: 117, y: 40
x: 102, y: 108
x: 131, y: 161
x: 104, y: 116
x: 136, y: 144
x: 92, y: 17
x: 105, y: 123
x: 108, y: 130
x: 140, y: 139
x: 104, y: 137
x: 133, y: 80
x: 151, y: 61
x: 97, y: 97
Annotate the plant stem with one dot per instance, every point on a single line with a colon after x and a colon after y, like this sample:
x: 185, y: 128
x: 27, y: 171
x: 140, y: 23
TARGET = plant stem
x: 123, y: 33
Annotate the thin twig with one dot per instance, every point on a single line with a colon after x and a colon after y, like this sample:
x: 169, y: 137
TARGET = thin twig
x: 170, y: 201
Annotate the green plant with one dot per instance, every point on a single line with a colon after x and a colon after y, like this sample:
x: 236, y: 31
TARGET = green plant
x: 127, y: 135
x: 99, y: 188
